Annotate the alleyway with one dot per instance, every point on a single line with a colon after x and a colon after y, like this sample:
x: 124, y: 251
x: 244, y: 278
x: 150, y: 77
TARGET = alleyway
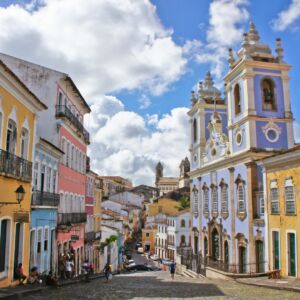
x: 158, y: 285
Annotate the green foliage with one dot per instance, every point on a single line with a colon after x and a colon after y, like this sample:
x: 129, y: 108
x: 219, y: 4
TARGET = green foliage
x: 184, y: 203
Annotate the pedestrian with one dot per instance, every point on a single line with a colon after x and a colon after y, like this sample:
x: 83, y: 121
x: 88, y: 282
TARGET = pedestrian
x: 34, y: 276
x: 85, y: 269
x: 107, y: 272
x: 61, y: 266
x: 172, y: 269
x: 69, y: 268
x: 20, y: 274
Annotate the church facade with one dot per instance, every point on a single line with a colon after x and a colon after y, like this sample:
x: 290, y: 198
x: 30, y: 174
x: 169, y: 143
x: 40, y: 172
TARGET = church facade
x: 229, y: 136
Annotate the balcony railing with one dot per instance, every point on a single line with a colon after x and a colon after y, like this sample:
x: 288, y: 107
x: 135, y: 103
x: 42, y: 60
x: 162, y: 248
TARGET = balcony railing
x: 40, y: 198
x: 64, y: 111
x: 89, y: 236
x: 71, y: 218
x: 15, y: 166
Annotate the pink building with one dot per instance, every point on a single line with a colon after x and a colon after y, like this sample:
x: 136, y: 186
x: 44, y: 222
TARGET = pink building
x: 62, y: 125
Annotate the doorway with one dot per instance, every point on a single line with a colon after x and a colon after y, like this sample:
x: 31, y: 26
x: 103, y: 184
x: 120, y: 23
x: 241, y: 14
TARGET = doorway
x: 291, y: 239
x: 259, y: 247
x: 242, y: 259
x: 276, y: 264
x: 215, y: 245
x: 205, y: 246
x: 226, y: 253
x: 196, y: 244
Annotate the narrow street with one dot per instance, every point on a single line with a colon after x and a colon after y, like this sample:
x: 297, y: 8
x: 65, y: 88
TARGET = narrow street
x: 158, y: 285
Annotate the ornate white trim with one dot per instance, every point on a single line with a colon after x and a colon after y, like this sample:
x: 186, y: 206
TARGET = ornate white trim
x: 271, y: 126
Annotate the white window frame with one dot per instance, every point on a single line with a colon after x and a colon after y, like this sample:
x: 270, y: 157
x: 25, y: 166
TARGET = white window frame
x: 289, y: 185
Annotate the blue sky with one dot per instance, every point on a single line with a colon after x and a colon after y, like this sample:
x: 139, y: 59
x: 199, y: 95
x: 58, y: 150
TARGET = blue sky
x: 137, y: 61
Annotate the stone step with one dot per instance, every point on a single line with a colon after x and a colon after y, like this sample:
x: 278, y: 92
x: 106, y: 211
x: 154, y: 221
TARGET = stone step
x: 190, y: 274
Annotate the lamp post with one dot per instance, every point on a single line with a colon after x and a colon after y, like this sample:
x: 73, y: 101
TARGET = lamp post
x: 20, y: 193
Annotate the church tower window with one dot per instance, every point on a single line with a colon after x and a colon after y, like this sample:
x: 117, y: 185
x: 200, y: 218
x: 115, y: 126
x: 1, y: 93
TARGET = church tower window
x: 205, y: 200
x: 268, y: 94
x: 195, y: 130
x: 237, y: 99
x: 241, y: 197
x: 214, y: 197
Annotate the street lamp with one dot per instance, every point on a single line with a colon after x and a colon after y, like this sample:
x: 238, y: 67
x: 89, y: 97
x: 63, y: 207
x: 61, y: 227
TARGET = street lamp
x: 20, y: 193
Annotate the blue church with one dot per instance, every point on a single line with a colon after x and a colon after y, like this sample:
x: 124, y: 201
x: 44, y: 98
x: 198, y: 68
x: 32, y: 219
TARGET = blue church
x: 229, y: 136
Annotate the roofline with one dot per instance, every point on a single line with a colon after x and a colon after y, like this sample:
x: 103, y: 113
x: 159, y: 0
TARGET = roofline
x: 68, y: 78
x: 8, y: 70
x: 51, y: 145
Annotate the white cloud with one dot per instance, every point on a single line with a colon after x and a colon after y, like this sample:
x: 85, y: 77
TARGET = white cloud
x: 106, y: 45
x: 287, y: 17
x: 144, y: 101
x: 131, y: 146
x: 226, y: 20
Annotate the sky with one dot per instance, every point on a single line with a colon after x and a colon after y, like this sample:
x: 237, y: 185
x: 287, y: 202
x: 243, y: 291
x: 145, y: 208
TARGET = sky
x: 136, y: 63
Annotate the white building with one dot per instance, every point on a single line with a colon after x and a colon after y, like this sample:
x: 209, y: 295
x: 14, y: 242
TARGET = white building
x: 178, y: 232
x: 161, y: 246
x: 127, y: 198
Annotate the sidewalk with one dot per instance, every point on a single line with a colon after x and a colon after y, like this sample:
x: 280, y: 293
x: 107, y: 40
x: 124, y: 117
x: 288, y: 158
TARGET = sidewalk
x: 287, y: 284
x: 19, y: 291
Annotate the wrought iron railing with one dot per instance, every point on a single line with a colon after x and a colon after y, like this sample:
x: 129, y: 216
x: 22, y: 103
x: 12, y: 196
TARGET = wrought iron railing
x: 64, y: 111
x: 89, y: 236
x: 71, y: 218
x: 40, y: 198
x: 15, y: 166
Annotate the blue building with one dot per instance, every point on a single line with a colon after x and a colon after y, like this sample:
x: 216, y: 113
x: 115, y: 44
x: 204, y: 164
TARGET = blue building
x: 228, y: 137
x: 44, y: 204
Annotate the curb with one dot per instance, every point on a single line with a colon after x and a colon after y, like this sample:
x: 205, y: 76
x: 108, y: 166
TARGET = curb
x: 20, y: 294
x: 274, y: 287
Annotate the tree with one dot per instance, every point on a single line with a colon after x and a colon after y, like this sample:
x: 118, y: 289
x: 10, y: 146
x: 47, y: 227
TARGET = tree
x: 184, y: 203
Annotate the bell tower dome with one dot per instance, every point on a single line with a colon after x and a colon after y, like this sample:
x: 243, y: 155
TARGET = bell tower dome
x: 257, y: 90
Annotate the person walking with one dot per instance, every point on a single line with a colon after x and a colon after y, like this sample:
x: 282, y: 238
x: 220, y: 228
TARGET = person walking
x: 172, y: 269
x: 107, y: 272
x: 69, y: 268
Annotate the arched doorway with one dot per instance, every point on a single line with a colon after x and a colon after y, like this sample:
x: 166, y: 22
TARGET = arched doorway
x: 205, y: 246
x: 226, y: 253
x: 242, y: 259
x: 259, y: 249
x: 215, y: 244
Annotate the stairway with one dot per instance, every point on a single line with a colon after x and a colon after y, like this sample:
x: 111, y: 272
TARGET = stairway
x: 191, y: 274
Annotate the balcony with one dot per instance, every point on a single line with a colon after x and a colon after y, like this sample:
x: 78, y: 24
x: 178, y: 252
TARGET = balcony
x: 15, y: 166
x: 89, y: 236
x: 68, y: 219
x: 62, y: 111
x: 40, y: 198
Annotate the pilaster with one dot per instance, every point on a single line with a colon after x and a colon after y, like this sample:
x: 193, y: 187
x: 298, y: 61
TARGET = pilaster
x: 250, y: 169
x: 232, y: 216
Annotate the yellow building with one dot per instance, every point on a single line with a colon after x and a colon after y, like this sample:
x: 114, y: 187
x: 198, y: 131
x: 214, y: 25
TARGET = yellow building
x: 148, y: 238
x: 97, y: 222
x: 18, y: 109
x: 282, y: 175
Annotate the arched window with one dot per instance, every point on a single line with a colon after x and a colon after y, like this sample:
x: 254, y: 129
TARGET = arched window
x: 24, y: 143
x: 182, y: 240
x: 289, y: 196
x: 237, y: 99
x: 195, y: 130
x: 214, y: 197
x: 224, y: 198
x: 206, y: 200
x: 241, y: 197
x: 182, y: 223
x: 268, y: 94
x: 11, y: 137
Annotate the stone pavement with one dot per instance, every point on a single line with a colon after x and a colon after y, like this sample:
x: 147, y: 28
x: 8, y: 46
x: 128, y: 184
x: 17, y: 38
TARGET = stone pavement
x: 287, y: 284
x: 159, y: 285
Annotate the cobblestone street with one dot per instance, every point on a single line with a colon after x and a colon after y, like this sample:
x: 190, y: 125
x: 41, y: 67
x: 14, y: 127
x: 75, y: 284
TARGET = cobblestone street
x: 158, y: 285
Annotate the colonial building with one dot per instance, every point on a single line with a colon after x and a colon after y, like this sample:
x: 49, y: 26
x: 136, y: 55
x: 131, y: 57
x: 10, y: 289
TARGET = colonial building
x: 44, y: 205
x: 178, y: 232
x: 282, y: 189
x: 62, y: 125
x: 19, y: 107
x: 169, y: 184
x: 228, y: 136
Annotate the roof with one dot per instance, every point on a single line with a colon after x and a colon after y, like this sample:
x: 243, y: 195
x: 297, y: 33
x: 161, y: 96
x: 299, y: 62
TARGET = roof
x: 52, y: 145
x: 76, y: 90
x: 8, y: 70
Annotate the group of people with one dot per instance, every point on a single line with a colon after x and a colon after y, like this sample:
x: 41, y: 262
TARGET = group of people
x: 66, y: 265
x: 33, y: 277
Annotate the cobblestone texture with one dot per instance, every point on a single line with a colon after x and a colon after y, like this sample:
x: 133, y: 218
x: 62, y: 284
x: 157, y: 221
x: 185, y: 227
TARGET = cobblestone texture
x: 158, y: 285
